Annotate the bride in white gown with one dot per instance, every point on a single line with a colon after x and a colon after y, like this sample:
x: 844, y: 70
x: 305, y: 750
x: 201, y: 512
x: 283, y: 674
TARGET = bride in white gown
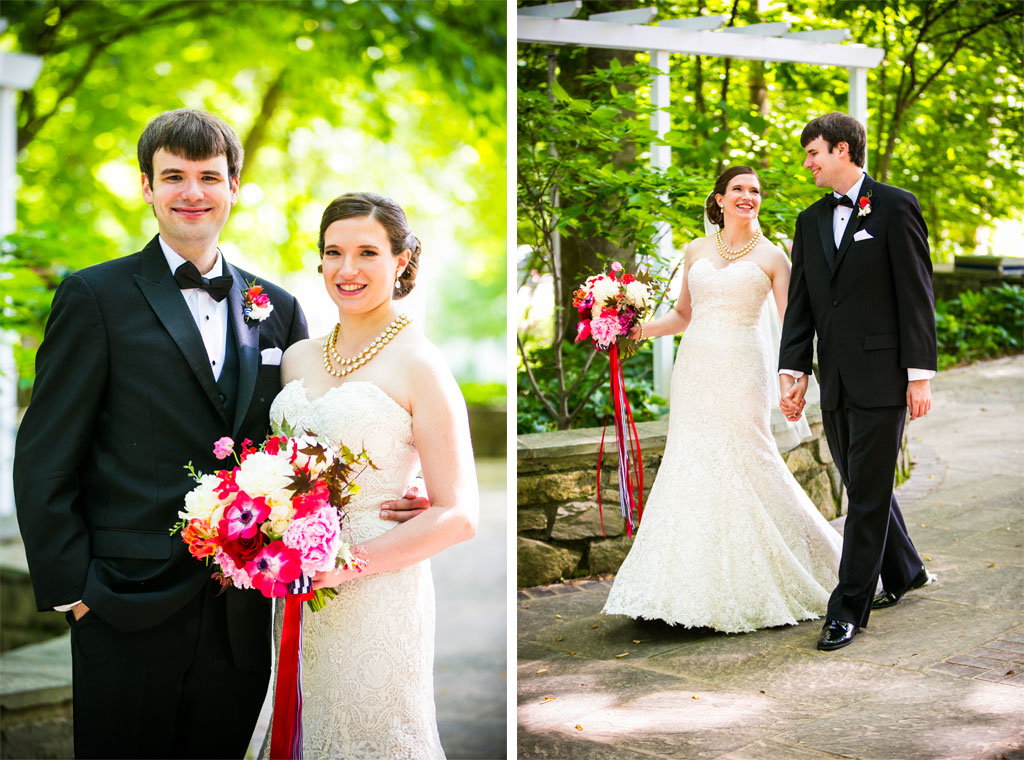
x: 368, y: 656
x: 729, y: 540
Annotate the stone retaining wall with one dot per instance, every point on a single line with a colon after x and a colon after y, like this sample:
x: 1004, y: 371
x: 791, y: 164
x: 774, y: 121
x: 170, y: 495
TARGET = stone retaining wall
x: 559, y: 532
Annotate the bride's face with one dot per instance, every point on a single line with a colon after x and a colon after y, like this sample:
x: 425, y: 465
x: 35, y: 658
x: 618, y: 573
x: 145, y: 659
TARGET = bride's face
x: 359, y: 268
x: 742, y: 199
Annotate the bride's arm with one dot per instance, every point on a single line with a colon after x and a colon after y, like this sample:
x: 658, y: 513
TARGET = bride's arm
x: 440, y: 427
x: 676, y: 319
x: 780, y: 282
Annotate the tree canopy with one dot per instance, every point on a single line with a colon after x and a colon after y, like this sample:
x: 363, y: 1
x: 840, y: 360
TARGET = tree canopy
x: 945, y: 109
x: 403, y: 98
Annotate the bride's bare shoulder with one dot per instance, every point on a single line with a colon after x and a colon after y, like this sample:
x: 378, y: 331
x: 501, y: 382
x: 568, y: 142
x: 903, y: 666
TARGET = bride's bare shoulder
x: 299, y: 356
x: 698, y: 248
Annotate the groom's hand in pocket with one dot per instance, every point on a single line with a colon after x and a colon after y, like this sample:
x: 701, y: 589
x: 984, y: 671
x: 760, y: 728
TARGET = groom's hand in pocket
x: 413, y: 502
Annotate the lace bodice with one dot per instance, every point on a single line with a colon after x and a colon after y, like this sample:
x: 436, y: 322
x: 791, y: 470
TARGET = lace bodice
x: 358, y: 414
x: 731, y: 295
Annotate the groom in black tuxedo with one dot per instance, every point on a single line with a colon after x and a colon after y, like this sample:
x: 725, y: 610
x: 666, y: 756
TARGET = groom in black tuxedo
x: 147, y: 360
x: 861, y: 281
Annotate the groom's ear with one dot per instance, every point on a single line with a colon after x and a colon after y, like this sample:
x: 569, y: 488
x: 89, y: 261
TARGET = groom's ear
x: 842, y: 147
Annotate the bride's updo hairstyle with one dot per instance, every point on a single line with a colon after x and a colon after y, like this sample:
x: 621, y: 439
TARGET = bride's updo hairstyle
x: 390, y: 216
x: 711, y: 207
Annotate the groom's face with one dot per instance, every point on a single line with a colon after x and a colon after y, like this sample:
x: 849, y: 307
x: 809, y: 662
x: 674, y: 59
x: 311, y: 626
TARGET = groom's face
x: 824, y: 161
x: 191, y: 199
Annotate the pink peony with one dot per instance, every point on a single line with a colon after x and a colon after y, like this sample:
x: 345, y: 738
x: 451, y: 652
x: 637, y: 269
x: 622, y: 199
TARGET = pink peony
x: 243, y: 517
x: 317, y: 538
x: 604, y: 331
x: 232, y: 572
x: 223, y: 448
x: 582, y: 330
x: 273, y: 569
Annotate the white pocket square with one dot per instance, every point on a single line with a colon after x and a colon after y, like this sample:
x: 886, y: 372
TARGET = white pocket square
x: 270, y: 356
x: 863, y: 235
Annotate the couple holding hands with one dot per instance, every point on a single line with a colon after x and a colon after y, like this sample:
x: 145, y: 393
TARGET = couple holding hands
x: 729, y: 539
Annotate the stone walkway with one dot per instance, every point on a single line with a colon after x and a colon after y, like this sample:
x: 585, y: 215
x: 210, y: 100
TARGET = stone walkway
x: 941, y: 675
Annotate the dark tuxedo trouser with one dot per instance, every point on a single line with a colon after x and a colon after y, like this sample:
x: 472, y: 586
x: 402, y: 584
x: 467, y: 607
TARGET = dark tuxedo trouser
x: 865, y: 444
x: 171, y: 691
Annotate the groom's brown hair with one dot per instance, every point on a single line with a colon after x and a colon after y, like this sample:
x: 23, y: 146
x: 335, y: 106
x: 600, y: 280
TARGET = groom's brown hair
x: 193, y: 135
x: 835, y: 128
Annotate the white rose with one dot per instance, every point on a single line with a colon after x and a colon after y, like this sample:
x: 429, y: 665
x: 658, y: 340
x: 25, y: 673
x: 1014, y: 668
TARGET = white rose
x: 262, y: 474
x: 280, y: 516
x: 637, y: 294
x: 201, y: 501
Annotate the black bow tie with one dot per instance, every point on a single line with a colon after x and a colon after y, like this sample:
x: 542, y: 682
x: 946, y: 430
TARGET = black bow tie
x: 843, y: 200
x: 187, y: 276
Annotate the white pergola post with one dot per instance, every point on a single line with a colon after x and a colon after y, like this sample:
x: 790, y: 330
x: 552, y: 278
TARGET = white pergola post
x: 858, y: 102
x: 17, y: 72
x: 553, y: 24
x: 661, y: 159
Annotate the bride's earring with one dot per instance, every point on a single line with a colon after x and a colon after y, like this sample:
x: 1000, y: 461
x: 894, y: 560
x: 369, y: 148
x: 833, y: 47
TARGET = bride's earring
x: 398, y: 280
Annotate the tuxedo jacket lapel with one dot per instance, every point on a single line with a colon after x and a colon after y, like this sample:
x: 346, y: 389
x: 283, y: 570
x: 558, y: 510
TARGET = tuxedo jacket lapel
x: 828, y: 241
x: 247, y: 339
x: 164, y: 296
x: 855, y: 222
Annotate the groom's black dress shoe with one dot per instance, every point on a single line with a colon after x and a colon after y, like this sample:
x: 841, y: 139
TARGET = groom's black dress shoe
x: 836, y: 634
x: 888, y: 599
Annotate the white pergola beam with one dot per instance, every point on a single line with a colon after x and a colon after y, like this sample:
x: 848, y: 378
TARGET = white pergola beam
x: 628, y: 37
x: 19, y: 71
x: 775, y: 29
x: 553, y: 10
x: 696, y: 23
x: 631, y: 16
x: 820, y: 35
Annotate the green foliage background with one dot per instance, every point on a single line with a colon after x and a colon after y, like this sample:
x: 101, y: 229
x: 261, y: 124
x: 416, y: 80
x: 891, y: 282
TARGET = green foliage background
x: 946, y: 121
x: 406, y: 98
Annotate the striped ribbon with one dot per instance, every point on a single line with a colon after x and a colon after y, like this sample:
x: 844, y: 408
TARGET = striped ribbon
x: 286, y: 737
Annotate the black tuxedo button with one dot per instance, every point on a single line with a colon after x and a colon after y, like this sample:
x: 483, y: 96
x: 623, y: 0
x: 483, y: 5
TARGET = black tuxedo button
x: 835, y: 303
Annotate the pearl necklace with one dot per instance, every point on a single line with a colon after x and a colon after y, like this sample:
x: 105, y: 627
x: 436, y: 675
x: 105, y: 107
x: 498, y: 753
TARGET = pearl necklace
x: 730, y: 255
x: 357, y: 361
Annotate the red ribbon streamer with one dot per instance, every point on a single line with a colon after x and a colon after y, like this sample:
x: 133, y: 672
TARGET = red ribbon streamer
x: 286, y: 737
x: 627, y: 442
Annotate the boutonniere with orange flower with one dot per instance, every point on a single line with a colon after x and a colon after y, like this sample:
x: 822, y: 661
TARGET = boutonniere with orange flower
x: 864, y: 205
x: 256, y: 304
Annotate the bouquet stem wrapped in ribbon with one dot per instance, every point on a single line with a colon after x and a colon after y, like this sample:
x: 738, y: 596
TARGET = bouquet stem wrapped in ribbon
x: 271, y: 523
x: 610, y: 305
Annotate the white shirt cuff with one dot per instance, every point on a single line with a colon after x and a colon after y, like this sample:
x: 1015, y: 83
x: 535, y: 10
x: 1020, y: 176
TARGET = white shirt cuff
x: 794, y: 373
x: 66, y: 607
x: 919, y: 374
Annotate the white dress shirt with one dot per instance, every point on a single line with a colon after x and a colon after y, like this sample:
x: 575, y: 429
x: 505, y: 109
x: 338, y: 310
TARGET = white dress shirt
x: 211, y: 315
x: 211, y: 318
x: 840, y: 218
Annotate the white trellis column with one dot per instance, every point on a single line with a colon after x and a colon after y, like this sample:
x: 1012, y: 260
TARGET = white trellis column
x: 858, y: 101
x: 17, y: 72
x: 661, y: 159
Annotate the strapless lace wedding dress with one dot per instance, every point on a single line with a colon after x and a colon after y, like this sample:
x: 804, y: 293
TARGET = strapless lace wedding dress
x: 368, y: 657
x: 729, y: 540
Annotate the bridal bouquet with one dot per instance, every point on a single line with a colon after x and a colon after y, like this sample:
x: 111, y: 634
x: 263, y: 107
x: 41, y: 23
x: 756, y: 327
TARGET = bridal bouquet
x: 610, y: 305
x: 276, y: 517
